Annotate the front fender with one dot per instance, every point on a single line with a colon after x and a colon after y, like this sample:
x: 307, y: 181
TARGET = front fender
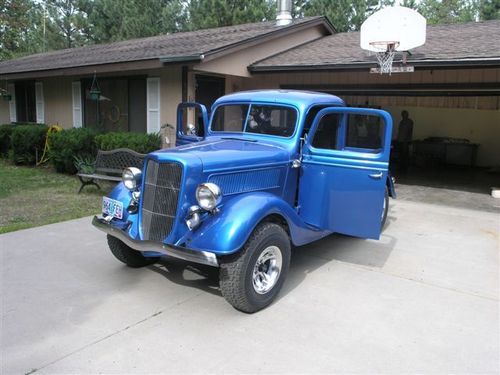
x: 227, y: 231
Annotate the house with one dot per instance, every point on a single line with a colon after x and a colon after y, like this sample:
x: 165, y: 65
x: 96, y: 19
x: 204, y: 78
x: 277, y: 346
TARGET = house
x: 143, y: 80
x: 454, y: 91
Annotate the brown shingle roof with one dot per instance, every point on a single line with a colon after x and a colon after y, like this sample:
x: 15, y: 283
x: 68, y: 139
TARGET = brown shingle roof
x: 171, y: 46
x: 473, y: 40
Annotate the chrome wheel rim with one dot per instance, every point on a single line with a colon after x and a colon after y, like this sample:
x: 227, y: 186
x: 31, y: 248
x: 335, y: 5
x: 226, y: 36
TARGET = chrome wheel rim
x: 267, y: 270
x: 383, y: 210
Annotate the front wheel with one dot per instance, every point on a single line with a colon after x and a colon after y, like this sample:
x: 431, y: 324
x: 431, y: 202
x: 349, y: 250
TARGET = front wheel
x: 251, y: 279
x: 127, y: 255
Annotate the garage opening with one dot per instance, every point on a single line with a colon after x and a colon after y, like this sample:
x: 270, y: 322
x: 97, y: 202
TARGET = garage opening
x: 455, y: 137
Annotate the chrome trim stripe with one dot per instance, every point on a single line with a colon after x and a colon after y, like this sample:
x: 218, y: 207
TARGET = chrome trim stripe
x: 201, y: 257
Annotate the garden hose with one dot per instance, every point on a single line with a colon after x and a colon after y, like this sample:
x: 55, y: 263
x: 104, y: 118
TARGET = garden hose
x: 45, y: 156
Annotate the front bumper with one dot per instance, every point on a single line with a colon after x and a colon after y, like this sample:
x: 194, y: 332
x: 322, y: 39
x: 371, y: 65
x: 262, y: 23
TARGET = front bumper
x: 201, y: 257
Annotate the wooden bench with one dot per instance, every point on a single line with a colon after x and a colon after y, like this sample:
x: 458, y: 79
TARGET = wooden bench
x: 109, y: 165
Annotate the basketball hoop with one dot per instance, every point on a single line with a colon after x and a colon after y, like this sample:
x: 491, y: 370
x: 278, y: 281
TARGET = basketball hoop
x: 392, y: 30
x: 385, y: 55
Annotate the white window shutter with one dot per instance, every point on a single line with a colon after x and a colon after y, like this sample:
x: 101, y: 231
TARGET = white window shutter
x: 11, y: 88
x: 77, y: 104
x: 153, y: 105
x: 40, y: 103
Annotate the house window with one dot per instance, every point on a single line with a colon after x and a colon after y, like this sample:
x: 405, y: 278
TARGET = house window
x: 121, y: 106
x: 25, y: 101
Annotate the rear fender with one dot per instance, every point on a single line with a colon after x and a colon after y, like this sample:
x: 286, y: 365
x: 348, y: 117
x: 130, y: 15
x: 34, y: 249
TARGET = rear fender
x: 226, y: 231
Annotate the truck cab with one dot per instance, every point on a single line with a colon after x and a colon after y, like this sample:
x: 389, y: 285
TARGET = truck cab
x: 266, y: 170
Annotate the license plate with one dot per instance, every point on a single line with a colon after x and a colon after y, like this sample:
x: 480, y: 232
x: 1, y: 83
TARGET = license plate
x: 112, y: 207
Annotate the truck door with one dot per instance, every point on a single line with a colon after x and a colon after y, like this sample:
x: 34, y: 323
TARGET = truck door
x: 192, y: 122
x: 344, y: 169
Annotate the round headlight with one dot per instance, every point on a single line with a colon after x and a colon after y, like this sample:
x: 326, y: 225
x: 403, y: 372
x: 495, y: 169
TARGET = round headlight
x: 208, y: 196
x: 131, y: 178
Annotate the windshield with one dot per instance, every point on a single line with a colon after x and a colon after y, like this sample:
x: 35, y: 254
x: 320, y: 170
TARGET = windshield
x: 255, y: 118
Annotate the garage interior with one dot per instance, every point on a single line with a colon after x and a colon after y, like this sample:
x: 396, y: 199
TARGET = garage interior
x: 456, y: 114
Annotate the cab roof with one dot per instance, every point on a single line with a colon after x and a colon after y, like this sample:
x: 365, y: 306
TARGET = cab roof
x: 297, y: 98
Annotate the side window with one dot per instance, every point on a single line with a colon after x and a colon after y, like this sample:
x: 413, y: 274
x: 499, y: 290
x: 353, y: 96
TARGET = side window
x: 365, y: 132
x: 327, y: 133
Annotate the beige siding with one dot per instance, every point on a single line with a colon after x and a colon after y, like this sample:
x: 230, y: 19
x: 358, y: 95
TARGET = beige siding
x: 171, y: 96
x: 236, y: 63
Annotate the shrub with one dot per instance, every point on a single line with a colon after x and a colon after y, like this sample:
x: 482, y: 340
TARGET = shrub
x: 69, y: 144
x: 27, y: 142
x: 139, y: 142
x: 85, y: 164
x: 5, y: 134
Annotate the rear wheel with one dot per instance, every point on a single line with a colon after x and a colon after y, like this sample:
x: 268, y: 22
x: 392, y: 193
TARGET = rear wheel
x: 251, y: 279
x: 127, y: 255
x: 385, y: 208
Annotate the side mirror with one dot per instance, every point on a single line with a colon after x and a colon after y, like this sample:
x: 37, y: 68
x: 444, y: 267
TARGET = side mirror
x: 192, y: 122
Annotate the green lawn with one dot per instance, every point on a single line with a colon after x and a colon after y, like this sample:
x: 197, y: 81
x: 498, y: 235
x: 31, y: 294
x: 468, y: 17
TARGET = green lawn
x: 34, y: 196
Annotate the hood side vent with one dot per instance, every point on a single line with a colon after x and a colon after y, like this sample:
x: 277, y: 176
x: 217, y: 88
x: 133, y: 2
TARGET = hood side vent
x: 246, y: 181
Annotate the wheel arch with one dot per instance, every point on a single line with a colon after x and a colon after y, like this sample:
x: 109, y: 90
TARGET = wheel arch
x: 228, y: 230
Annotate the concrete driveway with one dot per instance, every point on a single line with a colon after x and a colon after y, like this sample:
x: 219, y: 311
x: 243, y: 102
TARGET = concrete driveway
x: 422, y: 299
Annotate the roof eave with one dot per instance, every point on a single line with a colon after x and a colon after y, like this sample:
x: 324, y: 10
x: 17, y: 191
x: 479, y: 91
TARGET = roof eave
x: 442, y: 63
x: 181, y: 59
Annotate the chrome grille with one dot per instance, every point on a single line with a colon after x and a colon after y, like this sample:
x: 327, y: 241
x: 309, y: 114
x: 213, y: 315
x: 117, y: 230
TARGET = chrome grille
x: 159, y: 199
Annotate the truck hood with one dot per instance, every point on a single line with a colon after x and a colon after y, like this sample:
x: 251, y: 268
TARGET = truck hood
x: 224, y: 154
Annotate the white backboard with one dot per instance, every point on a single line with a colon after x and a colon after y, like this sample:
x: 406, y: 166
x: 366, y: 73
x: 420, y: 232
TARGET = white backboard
x: 404, y: 27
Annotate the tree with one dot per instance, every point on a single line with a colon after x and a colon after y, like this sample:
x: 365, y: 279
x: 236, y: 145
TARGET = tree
x: 448, y: 11
x: 345, y: 15
x: 115, y: 20
x: 67, y: 23
x: 216, y: 13
x: 21, y: 28
x: 489, y: 10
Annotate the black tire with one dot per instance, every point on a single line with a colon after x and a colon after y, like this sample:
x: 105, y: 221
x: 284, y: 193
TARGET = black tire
x: 237, y: 271
x: 386, y: 209
x: 125, y: 254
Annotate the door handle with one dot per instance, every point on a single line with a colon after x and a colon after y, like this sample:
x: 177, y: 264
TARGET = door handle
x: 377, y: 176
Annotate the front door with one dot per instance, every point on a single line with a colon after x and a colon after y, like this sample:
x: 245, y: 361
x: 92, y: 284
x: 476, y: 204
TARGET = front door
x: 209, y: 89
x: 344, y: 170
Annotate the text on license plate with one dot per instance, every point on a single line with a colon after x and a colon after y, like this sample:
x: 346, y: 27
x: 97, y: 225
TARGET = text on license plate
x: 112, y: 207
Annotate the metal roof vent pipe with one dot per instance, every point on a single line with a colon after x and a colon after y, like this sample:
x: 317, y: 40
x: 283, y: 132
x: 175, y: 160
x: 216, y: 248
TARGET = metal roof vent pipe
x: 284, y: 15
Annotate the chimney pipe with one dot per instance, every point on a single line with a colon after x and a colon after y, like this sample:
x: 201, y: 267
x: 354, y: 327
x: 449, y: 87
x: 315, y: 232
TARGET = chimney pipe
x: 284, y: 15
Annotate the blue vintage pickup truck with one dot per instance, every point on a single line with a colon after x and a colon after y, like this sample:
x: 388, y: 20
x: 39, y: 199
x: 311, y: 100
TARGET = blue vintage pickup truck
x: 271, y: 169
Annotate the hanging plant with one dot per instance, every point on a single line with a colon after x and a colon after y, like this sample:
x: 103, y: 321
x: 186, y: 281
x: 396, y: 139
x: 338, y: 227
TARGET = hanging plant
x: 95, y: 90
x: 5, y: 95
